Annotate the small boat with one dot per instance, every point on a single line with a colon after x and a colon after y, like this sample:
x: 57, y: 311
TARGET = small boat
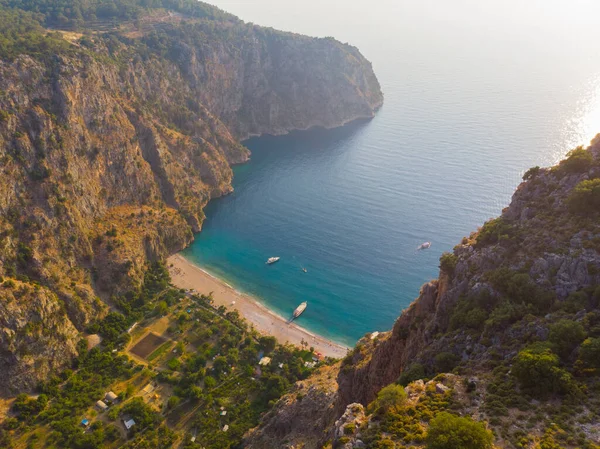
x: 301, y: 308
x: 272, y: 260
x: 425, y: 245
x: 305, y: 270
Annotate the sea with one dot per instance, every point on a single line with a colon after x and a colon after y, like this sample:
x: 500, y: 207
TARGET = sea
x: 475, y: 93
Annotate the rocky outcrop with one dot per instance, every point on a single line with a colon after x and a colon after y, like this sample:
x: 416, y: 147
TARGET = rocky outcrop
x: 300, y: 418
x: 36, y: 336
x: 110, y: 150
x: 346, y: 429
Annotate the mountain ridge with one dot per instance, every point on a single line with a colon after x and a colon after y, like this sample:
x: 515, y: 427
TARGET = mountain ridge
x: 114, y: 139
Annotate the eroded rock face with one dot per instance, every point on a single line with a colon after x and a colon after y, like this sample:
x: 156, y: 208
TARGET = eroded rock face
x: 300, y: 417
x: 106, y: 166
x: 36, y: 336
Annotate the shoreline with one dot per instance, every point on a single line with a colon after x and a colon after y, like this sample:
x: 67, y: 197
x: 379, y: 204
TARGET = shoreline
x: 186, y: 275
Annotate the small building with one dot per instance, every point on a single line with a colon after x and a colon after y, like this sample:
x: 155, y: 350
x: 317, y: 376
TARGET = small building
x: 223, y: 413
x: 101, y: 405
x: 264, y: 361
x: 85, y: 422
x: 110, y: 397
x: 148, y: 389
x: 129, y: 423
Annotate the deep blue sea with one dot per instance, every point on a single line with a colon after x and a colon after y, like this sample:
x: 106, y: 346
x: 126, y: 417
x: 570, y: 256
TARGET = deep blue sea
x: 474, y: 95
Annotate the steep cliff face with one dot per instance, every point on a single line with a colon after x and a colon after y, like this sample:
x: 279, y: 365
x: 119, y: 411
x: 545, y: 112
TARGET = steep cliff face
x: 283, y: 82
x: 110, y: 149
x: 503, y: 288
x: 538, y: 237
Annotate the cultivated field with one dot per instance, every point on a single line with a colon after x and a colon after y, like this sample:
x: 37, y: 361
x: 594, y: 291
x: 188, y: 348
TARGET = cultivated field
x: 147, y: 345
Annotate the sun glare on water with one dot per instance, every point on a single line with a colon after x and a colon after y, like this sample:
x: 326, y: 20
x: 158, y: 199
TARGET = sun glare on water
x: 589, y: 122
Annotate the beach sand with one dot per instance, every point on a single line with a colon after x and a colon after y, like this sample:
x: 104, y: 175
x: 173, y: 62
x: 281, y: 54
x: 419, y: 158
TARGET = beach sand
x: 186, y: 275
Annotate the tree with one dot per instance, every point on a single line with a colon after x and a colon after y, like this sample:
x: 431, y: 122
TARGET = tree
x: 566, y: 335
x: 577, y: 160
x: 162, y: 308
x: 173, y: 402
x: 448, y: 263
x: 414, y: 371
x: 448, y: 431
x: 445, y: 362
x: 585, y: 198
x: 267, y: 343
x: 531, y: 173
x: 391, y: 398
x: 589, y: 353
x: 536, y: 369
x: 210, y: 382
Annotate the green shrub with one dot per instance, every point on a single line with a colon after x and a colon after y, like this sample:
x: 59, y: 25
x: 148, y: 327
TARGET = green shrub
x: 575, y: 302
x: 520, y: 289
x: 578, y: 160
x: 174, y: 364
x: 494, y: 231
x: 585, y: 197
x: 210, y: 382
x: 536, y: 368
x: 566, y: 335
x: 589, y: 353
x: 531, y: 173
x: 448, y: 262
x: 445, y: 362
x: 391, y: 398
x: 173, y: 402
x: 414, y: 371
x: 349, y: 428
x: 448, y: 431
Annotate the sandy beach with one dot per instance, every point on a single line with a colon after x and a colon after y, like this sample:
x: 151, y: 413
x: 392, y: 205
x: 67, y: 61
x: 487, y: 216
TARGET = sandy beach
x: 186, y: 275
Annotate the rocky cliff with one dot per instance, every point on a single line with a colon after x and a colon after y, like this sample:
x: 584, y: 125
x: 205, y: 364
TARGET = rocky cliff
x: 113, y: 141
x: 525, y: 285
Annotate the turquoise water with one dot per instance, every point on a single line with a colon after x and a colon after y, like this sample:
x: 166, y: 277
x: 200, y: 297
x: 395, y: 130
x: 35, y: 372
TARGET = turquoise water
x: 473, y: 97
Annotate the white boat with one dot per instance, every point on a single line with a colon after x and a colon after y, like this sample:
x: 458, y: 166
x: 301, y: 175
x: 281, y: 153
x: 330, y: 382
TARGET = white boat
x: 271, y: 260
x: 301, y: 308
x: 425, y: 245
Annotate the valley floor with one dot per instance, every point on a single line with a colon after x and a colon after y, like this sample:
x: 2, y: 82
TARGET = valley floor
x: 186, y: 275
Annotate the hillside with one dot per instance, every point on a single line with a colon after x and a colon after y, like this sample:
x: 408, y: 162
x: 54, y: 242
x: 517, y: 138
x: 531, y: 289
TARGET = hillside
x: 509, y: 335
x: 119, y: 121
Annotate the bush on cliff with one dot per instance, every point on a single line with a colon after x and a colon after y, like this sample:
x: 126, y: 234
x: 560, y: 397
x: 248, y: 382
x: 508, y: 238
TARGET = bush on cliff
x: 585, y: 198
x: 413, y: 372
x: 566, y: 335
x: 391, y: 398
x: 444, y: 362
x: 578, y: 160
x: 448, y: 263
x: 495, y: 231
x: 531, y: 173
x: 537, y: 370
x: 589, y: 353
x: 448, y: 431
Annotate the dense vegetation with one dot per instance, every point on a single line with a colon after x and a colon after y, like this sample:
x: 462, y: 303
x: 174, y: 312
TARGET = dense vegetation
x: 214, y: 367
x: 77, y: 13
